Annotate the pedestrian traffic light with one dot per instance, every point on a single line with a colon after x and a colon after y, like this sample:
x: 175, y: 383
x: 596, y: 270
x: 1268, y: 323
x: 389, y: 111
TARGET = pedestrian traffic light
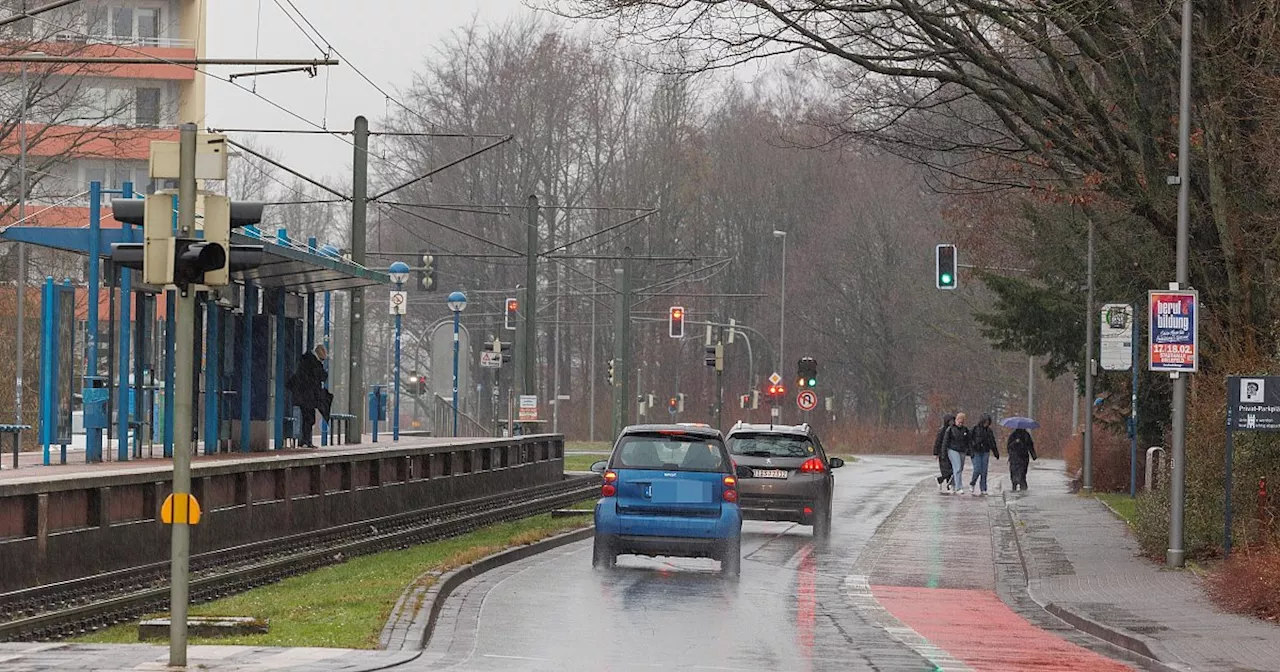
x: 807, y: 372
x: 426, y: 272
x: 513, y: 307
x: 947, y: 276
x: 709, y: 355
x: 609, y: 375
x: 675, y: 322
x: 504, y: 347
x: 165, y: 259
x: 743, y: 400
x: 673, y: 405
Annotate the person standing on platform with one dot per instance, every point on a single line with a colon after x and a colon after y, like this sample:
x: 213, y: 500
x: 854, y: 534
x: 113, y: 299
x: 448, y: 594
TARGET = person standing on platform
x: 307, y: 386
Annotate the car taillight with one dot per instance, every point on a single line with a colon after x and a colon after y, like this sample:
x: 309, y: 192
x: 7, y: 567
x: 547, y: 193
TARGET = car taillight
x: 812, y: 466
x: 609, y: 489
x: 730, y: 489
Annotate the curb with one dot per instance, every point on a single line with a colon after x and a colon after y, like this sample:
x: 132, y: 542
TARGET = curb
x: 413, y: 619
x: 1114, y: 636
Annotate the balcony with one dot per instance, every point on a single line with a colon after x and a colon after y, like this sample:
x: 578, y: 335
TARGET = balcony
x: 163, y: 42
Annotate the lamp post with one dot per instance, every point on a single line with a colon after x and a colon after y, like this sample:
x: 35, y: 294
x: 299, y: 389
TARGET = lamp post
x: 399, y: 273
x: 782, y: 312
x: 457, y: 303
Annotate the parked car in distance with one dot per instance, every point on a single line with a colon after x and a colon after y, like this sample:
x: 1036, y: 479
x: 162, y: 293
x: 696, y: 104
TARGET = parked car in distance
x: 669, y: 490
x: 787, y: 474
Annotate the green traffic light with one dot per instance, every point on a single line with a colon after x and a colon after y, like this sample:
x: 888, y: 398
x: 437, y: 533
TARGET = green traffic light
x: 813, y: 382
x: 946, y: 278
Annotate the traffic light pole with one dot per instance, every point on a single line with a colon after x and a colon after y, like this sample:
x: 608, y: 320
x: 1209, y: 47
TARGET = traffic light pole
x: 530, y: 322
x: 184, y: 338
x: 359, y: 205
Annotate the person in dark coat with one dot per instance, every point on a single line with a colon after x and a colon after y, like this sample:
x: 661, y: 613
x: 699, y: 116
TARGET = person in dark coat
x: 983, y: 443
x: 1020, y: 447
x: 956, y: 444
x: 307, y: 387
x: 944, y: 462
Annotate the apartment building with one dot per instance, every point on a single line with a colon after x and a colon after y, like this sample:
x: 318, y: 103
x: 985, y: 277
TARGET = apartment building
x: 99, y: 125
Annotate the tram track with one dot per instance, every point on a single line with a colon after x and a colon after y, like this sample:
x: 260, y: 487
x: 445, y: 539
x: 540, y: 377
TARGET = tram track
x: 70, y: 608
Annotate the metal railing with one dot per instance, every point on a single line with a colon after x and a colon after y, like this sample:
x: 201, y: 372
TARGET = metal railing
x: 468, y: 426
x: 169, y: 42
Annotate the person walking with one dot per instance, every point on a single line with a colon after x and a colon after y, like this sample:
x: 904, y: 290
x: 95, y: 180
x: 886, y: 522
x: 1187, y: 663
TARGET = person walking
x: 984, y: 447
x: 1020, y: 447
x: 956, y: 443
x: 944, y: 462
x: 307, y: 386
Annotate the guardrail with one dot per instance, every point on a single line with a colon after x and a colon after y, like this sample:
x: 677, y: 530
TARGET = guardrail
x: 468, y: 426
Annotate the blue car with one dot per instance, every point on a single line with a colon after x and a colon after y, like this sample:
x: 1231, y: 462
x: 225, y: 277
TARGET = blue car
x: 669, y: 490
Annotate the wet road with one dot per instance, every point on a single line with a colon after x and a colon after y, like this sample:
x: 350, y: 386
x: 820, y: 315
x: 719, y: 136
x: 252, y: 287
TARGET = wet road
x: 912, y: 597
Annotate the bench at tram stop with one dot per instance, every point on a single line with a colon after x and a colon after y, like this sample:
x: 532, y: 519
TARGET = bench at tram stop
x: 16, y: 431
x: 338, y: 423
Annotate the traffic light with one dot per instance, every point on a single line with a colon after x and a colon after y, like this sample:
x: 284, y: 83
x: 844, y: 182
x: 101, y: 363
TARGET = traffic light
x: 417, y: 384
x: 807, y: 372
x: 504, y: 347
x: 513, y: 307
x: 775, y: 392
x: 165, y: 259
x: 609, y: 375
x: 426, y: 272
x: 675, y: 322
x: 947, y: 276
x: 713, y: 355
x: 743, y: 400
x: 673, y: 405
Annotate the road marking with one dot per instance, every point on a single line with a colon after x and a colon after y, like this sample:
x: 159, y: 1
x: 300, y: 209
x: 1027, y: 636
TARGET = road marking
x: 494, y: 655
x: 859, y: 592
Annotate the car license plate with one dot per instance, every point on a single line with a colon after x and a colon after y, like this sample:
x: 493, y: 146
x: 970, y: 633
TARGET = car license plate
x: 768, y: 473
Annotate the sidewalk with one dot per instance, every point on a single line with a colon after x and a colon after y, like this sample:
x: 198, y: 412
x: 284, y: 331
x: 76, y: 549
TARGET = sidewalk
x: 155, y: 658
x: 1083, y: 565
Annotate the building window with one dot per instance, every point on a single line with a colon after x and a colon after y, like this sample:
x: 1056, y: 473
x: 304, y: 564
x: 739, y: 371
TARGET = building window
x: 122, y: 23
x: 147, y: 107
x: 97, y: 21
x: 148, y: 26
x: 98, y: 175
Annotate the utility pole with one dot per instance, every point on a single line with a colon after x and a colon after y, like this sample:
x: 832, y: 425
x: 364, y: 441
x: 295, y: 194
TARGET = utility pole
x: 1087, y: 467
x: 359, y: 211
x: 1031, y: 386
x: 1176, y: 555
x: 183, y: 378
x: 591, y: 364
x: 622, y: 345
x: 531, y: 299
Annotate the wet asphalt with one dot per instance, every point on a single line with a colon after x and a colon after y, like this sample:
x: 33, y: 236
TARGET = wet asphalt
x: 791, y: 609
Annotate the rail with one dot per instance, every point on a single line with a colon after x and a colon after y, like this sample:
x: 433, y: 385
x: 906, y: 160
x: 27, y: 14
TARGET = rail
x: 468, y: 426
x: 70, y: 608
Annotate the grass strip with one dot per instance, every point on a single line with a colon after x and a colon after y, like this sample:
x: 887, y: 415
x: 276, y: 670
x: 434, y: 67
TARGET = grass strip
x: 1122, y: 504
x: 347, y: 605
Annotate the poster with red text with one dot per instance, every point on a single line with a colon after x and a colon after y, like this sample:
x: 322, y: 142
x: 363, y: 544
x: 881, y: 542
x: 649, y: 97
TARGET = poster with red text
x: 1171, y: 341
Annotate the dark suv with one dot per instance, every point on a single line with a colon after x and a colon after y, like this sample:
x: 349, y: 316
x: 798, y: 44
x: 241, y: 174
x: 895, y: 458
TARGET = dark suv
x: 790, y: 476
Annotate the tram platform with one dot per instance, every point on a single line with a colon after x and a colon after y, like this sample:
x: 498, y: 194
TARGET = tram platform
x: 61, y: 522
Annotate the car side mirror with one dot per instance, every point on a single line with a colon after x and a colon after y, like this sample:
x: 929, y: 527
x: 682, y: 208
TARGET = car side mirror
x: 835, y: 463
x: 599, y: 467
x: 743, y: 471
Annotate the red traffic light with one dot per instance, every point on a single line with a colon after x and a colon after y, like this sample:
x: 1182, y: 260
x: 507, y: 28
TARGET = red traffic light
x: 513, y: 305
x: 675, y: 322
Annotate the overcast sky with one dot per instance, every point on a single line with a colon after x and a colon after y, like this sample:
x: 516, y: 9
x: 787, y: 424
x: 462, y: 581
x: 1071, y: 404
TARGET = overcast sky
x: 386, y: 39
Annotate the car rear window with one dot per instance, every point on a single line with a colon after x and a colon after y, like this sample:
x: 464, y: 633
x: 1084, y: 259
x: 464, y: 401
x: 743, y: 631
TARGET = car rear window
x: 670, y: 452
x: 771, y: 445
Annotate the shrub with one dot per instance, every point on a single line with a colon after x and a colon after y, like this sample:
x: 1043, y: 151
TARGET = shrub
x: 1248, y: 583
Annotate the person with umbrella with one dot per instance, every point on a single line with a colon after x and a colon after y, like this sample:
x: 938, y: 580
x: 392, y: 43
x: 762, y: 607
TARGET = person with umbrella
x: 307, y: 386
x: 1020, y: 447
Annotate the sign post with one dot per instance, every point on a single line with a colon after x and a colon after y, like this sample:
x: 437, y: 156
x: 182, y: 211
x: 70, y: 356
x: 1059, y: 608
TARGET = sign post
x: 1118, y: 352
x: 1253, y: 405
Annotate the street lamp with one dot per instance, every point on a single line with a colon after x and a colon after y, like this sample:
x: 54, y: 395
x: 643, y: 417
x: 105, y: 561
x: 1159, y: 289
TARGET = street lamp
x: 457, y: 303
x: 399, y: 273
x: 782, y: 320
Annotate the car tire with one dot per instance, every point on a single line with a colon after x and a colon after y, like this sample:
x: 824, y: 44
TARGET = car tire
x: 731, y: 559
x: 602, y: 554
x: 822, y: 522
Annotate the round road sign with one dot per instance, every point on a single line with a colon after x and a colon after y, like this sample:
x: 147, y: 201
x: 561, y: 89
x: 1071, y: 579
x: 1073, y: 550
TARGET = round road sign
x: 807, y: 400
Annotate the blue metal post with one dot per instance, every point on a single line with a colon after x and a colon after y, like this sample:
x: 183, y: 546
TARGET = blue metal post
x: 457, y: 316
x: 212, y: 376
x: 1133, y: 414
x: 139, y: 371
x: 375, y: 409
x: 395, y: 419
x: 281, y: 334
x: 170, y: 309
x: 324, y: 424
x: 93, y: 437
x: 46, y: 368
x: 246, y: 365
x: 126, y: 288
